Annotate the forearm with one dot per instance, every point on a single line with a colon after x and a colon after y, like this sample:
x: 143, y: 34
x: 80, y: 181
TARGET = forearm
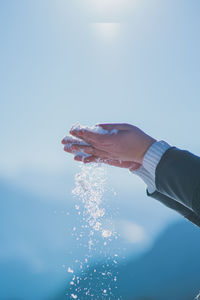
x: 167, y: 201
x: 150, y: 162
x: 166, y: 182
x: 178, y: 176
x: 176, y: 173
x: 178, y: 207
x: 173, y: 172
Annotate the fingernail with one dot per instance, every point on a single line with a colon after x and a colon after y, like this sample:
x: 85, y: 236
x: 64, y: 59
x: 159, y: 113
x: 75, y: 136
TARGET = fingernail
x: 77, y: 157
x: 80, y: 132
x: 73, y: 133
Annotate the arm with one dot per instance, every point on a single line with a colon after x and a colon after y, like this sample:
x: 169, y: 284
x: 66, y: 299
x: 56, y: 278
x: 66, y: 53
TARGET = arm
x: 167, y: 201
x: 178, y: 207
x: 176, y: 175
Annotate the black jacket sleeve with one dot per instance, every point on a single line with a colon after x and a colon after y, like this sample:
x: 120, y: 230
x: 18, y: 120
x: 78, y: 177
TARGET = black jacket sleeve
x: 178, y: 177
x: 180, y: 208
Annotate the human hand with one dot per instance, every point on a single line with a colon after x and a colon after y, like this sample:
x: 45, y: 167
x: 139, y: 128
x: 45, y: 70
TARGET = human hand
x: 116, y: 163
x: 78, y: 148
x: 120, y: 142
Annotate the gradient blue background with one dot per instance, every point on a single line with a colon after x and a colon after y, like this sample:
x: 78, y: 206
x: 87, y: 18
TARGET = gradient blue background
x: 88, y: 61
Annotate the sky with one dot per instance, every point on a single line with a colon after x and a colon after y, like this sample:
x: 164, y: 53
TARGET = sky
x: 94, y: 61
x: 87, y: 61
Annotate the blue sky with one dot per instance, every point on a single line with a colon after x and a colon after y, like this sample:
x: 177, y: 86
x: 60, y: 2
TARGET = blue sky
x: 134, y: 61
x: 94, y: 61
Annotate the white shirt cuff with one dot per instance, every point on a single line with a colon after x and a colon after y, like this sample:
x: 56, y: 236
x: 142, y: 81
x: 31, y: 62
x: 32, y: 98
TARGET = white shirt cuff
x: 153, y: 156
x: 146, y: 177
x: 150, y: 161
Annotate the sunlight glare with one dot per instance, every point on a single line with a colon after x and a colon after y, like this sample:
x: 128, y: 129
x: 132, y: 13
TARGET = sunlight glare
x: 108, y: 8
x: 105, y: 5
x: 107, y: 31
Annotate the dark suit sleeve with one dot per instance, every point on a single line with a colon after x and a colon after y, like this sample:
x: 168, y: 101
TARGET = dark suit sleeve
x: 177, y: 176
x: 180, y: 208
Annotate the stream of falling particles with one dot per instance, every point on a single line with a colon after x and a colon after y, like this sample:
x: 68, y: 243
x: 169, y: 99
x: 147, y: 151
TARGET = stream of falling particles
x: 92, y: 278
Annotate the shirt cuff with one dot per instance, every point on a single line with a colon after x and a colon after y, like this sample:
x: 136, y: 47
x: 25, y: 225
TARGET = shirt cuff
x: 147, y: 178
x: 153, y: 156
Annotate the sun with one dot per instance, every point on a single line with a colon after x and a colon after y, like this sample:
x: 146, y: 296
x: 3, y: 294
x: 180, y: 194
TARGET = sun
x: 105, y: 6
x: 108, y: 8
x: 107, y: 31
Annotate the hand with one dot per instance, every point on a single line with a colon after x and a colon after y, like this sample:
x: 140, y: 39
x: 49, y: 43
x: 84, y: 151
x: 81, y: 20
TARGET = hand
x: 76, y: 147
x: 116, y: 163
x: 129, y: 144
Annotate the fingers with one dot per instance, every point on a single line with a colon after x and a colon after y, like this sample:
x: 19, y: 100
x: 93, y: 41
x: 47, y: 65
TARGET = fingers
x: 74, y: 148
x: 117, y: 126
x: 95, y: 135
x: 72, y: 140
x: 87, y: 160
x: 112, y: 162
x: 91, y: 137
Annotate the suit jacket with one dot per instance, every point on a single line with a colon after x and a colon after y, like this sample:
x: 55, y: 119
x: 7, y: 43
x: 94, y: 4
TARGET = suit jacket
x: 177, y: 180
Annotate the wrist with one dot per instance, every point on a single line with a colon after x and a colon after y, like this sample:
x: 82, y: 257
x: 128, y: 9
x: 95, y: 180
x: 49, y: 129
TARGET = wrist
x: 153, y: 156
x: 146, y: 177
x: 148, y: 143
